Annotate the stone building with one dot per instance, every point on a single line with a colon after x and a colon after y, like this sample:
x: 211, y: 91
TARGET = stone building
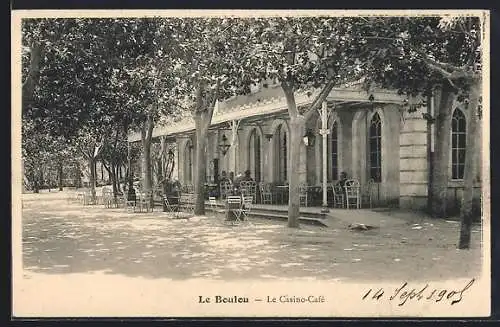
x: 372, y: 137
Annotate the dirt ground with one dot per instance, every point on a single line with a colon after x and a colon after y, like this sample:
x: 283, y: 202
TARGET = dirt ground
x: 62, y: 238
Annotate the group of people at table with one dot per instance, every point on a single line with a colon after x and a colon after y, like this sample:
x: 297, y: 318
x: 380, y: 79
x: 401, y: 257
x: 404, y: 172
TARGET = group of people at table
x: 236, y: 183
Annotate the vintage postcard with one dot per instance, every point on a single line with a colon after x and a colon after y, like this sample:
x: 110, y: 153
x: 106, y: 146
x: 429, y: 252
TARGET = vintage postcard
x: 237, y: 163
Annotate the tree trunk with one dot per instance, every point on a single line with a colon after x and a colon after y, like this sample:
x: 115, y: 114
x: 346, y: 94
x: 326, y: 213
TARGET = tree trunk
x: 41, y: 177
x: 160, y: 169
x: 473, y: 144
x: 60, y: 175
x: 78, y: 176
x: 297, y: 125
x: 201, y: 126
x: 36, y: 185
x: 92, y: 179
x: 146, y: 166
x: 108, y: 169
x: 441, y: 158
x: 146, y: 139
x: 28, y: 87
x: 118, y: 177
x: 112, y: 175
x: 172, y: 161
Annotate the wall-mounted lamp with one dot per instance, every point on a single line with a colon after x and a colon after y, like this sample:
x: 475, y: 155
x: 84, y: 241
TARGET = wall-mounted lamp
x: 309, y: 138
x: 224, y: 145
x: 268, y: 136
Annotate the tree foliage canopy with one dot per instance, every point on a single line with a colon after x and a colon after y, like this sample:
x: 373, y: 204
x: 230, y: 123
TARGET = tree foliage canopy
x: 413, y: 54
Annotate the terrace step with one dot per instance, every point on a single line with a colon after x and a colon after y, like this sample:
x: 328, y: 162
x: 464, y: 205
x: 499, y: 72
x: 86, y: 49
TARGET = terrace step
x: 302, y: 219
x: 311, y: 218
x: 307, y: 215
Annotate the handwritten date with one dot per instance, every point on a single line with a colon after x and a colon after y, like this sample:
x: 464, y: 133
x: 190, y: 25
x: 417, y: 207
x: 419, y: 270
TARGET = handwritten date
x: 404, y: 293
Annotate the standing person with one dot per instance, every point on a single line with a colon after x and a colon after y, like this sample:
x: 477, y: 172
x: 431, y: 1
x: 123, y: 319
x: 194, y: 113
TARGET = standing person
x: 231, y: 177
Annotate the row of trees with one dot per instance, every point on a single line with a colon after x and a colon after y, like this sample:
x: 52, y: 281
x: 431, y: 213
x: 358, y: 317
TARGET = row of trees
x: 91, y: 81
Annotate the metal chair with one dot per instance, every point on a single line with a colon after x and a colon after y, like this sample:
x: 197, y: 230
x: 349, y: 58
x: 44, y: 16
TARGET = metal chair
x: 249, y: 188
x: 266, y: 196
x: 303, y: 195
x: 234, y: 205
x: 214, y: 207
x: 186, y: 203
x: 245, y: 188
x: 338, y: 196
x: 246, y: 207
x: 366, y: 193
x: 171, y: 208
x: 87, y: 198
x: 121, y: 200
x: 225, y: 189
x: 128, y: 204
x: 146, y: 201
x: 107, y: 197
x: 352, y: 193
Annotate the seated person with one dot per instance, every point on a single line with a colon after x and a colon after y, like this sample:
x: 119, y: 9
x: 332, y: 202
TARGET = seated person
x: 343, y: 179
x: 223, y: 178
x: 247, y: 176
x: 223, y: 181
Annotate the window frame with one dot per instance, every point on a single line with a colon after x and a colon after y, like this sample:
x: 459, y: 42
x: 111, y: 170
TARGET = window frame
x: 333, y: 136
x: 188, y: 156
x: 377, y: 136
x: 455, y: 150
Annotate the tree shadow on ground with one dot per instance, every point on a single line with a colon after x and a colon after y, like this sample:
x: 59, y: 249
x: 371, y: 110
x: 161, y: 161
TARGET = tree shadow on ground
x: 63, y: 238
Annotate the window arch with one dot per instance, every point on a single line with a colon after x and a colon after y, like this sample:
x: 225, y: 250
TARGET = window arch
x: 254, y: 154
x: 188, y: 163
x: 458, y: 131
x: 281, y: 155
x: 375, y: 146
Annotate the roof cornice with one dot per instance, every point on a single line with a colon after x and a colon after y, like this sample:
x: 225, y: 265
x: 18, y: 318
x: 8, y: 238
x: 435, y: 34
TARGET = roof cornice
x: 277, y: 104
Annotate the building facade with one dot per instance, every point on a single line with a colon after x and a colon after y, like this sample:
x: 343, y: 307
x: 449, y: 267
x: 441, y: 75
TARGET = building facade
x: 374, y: 138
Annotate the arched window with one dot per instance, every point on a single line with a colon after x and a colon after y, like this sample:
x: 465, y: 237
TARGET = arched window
x: 334, y: 152
x: 188, y: 163
x: 458, y: 130
x: 375, y: 137
x: 281, y: 153
x: 254, y: 155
